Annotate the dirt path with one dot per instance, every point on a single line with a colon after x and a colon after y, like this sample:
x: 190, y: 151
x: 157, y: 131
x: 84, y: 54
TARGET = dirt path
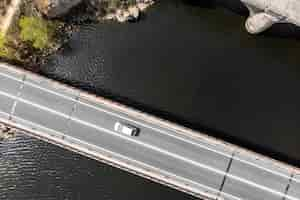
x: 8, y: 17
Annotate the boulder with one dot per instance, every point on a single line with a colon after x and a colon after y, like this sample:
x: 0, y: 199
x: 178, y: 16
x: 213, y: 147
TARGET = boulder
x: 122, y: 15
x: 131, y: 14
x: 55, y: 8
x: 134, y: 11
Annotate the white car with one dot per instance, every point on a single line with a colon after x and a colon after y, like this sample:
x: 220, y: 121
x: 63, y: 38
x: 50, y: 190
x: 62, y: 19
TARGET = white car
x: 126, y: 129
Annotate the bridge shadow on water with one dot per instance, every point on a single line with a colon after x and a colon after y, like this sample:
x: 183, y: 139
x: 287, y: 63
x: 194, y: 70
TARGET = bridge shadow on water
x: 211, y: 131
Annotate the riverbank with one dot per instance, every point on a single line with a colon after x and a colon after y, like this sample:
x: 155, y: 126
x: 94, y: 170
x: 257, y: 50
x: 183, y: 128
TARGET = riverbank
x: 6, y: 132
x: 32, y: 30
x: 25, y: 36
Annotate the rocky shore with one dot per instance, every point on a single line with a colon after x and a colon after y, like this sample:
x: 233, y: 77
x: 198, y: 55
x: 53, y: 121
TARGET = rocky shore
x: 31, y: 30
x: 6, y: 132
x: 130, y: 13
x: 120, y: 10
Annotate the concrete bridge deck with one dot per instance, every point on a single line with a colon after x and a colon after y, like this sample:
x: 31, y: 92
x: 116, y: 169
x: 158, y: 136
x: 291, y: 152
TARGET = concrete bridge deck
x: 172, y: 155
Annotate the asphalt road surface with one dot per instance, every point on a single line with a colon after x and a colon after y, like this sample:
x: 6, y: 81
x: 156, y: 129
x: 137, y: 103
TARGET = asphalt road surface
x: 165, y: 153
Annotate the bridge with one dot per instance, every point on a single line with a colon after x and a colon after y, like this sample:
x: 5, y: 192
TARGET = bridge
x: 163, y: 152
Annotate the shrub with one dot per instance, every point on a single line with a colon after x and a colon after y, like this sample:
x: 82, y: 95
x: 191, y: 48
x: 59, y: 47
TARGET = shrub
x: 4, y: 52
x: 114, y: 4
x: 131, y: 2
x: 38, y: 31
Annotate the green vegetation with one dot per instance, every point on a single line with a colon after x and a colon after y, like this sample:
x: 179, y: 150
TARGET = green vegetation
x: 131, y: 2
x: 3, y: 48
x: 114, y: 3
x: 34, y: 38
x: 39, y: 32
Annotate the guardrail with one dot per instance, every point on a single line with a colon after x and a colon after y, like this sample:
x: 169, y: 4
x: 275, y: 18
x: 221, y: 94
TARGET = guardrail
x: 163, y: 152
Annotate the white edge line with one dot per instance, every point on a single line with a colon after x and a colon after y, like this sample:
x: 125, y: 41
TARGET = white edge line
x: 117, y: 135
x: 164, y: 173
x: 147, y: 126
x: 153, y: 148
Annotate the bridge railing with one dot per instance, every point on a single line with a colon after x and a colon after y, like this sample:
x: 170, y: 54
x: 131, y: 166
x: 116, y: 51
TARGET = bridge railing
x: 163, y: 152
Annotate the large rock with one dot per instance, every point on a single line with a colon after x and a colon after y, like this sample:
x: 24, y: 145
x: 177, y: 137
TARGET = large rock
x: 265, y: 13
x: 56, y: 8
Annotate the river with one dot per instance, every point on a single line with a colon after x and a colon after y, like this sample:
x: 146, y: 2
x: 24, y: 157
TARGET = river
x: 189, y: 63
x: 31, y: 169
x: 195, y: 64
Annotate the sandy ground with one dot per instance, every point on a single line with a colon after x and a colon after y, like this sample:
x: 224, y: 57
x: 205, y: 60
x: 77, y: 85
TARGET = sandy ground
x: 8, y: 17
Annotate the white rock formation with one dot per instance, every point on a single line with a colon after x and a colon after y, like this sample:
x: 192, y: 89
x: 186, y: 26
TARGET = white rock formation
x: 132, y: 13
x: 55, y: 8
x: 265, y: 13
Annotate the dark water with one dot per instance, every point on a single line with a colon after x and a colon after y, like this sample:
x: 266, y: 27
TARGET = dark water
x: 189, y: 63
x: 195, y: 64
x: 34, y: 170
